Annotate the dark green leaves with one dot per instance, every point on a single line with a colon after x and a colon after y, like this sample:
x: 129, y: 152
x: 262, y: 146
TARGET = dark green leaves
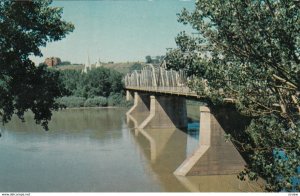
x: 96, y: 82
x: 249, y: 51
x: 24, y: 27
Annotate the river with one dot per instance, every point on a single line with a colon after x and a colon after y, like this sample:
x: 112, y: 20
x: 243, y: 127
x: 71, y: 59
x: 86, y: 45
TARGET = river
x: 96, y: 150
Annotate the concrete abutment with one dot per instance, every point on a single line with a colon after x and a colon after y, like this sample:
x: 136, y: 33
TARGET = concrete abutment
x: 214, y: 156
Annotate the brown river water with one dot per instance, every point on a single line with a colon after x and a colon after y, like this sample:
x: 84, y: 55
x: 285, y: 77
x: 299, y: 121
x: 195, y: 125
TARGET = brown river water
x: 96, y: 150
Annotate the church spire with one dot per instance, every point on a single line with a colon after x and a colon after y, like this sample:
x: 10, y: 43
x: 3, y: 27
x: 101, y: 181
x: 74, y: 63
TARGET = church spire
x: 98, y: 64
x: 87, y: 65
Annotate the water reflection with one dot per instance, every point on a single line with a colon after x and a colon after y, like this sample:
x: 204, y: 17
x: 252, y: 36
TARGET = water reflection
x: 192, y: 136
x: 166, y: 149
x: 85, y: 150
x: 96, y: 150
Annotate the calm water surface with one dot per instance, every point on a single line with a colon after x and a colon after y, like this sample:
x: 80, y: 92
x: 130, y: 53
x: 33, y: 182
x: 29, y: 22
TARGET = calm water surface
x: 94, y: 150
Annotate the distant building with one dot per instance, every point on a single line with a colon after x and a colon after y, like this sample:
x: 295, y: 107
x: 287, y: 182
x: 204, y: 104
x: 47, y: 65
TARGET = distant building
x: 88, y: 66
x: 98, y: 64
x: 52, y: 61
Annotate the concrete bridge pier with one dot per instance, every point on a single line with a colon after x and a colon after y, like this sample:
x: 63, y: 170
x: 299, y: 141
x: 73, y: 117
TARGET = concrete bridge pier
x: 129, y: 95
x: 166, y: 112
x: 214, y: 155
x: 141, y: 107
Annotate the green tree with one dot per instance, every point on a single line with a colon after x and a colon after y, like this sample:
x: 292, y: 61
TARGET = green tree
x: 249, y: 51
x: 64, y: 63
x: 159, y: 59
x: 24, y: 27
x: 115, y: 80
x: 96, y: 82
x: 72, y: 81
x: 148, y: 59
x: 136, y: 66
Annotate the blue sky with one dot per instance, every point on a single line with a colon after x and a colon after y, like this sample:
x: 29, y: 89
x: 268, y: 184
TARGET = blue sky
x: 118, y: 30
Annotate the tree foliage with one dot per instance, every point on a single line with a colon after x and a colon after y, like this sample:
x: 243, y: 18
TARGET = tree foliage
x: 96, y: 102
x: 136, y: 66
x: 96, y: 82
x: 63, y: 63
x: 24, y: 27
x: 148, y: 59
x: 249, y: 51
x: 98, y: 87
x: 155, y: 60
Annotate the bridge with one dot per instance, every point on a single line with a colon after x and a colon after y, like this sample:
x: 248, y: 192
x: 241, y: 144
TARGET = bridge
x: 160, y: 97
x: 159, y: 80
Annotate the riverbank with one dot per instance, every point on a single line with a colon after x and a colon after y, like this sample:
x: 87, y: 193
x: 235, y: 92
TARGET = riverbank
x: 115, y: 100
x: 192, y: 107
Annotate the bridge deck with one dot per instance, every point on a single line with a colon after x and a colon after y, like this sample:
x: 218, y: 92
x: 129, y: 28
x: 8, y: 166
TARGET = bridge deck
x: 179, y: 91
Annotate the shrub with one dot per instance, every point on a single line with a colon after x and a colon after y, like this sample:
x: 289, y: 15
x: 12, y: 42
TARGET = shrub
x: 117, y: 99
x: 71, y: 101
x: 96, y: 101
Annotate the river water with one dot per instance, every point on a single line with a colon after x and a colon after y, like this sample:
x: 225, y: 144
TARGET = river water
x: 97, y: 150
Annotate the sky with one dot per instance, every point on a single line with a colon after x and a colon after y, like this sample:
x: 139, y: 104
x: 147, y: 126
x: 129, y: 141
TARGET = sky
x: 117, y: 30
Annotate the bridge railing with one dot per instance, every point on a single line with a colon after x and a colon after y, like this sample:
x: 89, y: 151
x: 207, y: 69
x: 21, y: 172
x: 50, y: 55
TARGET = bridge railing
x: 158, y: 79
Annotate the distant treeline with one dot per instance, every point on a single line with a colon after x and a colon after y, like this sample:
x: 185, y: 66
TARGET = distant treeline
x: 154, y: 60
x: 98, y: 87
x: 64, y: 63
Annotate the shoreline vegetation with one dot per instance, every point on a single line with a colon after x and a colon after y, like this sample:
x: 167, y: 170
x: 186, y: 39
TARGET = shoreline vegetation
x: 98, y: 87
x: 114, y: 100
x: 99, y: 107
x: 121, y: 67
